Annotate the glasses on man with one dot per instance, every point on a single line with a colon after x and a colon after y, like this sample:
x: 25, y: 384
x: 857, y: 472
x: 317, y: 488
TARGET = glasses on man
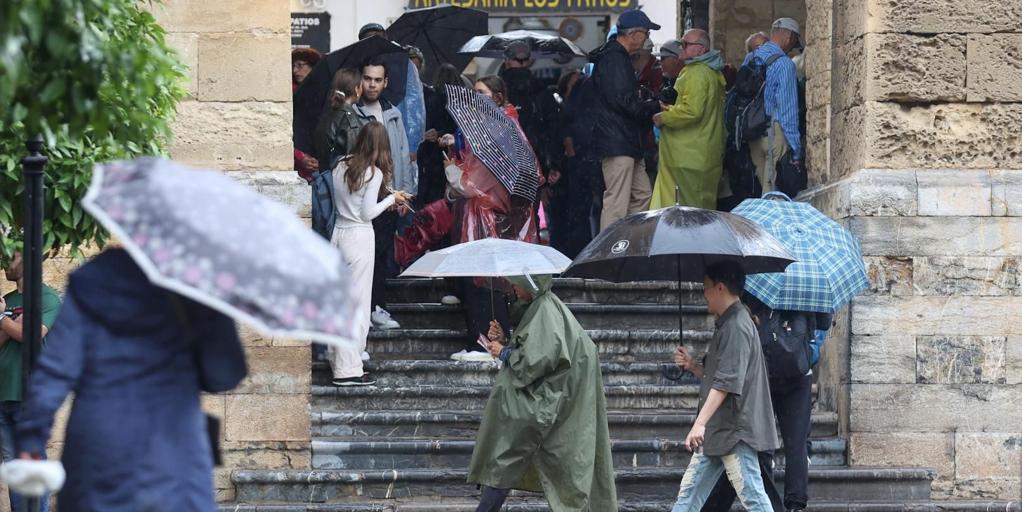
x: 686, y: 44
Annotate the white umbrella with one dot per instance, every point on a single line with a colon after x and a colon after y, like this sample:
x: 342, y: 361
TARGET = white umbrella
x: 490, y: 257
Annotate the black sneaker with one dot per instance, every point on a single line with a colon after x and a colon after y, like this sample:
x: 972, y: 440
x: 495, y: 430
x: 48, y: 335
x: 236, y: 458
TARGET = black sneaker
x: 364, y: 380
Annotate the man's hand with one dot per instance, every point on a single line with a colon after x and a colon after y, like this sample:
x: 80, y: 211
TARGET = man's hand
x: 496, y: 332
x: 658, y: 119
x: 695, y: 437
x: 683, y: 359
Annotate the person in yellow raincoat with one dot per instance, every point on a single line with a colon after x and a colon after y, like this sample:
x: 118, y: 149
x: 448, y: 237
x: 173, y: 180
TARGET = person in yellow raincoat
x: 545, y: 425
x: 692, y: 130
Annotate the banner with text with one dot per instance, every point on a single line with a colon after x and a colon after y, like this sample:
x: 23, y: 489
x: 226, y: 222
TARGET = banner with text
x: 533, y: 6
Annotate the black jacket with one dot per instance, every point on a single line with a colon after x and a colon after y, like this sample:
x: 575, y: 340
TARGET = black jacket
x: 622, y: 118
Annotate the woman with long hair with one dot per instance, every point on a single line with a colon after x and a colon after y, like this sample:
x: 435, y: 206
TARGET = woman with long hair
x: 342, y: 119
x: 362, y: 184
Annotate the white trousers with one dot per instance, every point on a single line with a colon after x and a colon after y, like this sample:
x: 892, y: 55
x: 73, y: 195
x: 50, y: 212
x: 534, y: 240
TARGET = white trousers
x: 358, y: 249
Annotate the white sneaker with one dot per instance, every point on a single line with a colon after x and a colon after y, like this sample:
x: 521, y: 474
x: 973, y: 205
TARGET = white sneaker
x: 450, y: 300
x: 381, y: 319
x: 477, y: 356
x: 457, y: 356
x: 365, y: 355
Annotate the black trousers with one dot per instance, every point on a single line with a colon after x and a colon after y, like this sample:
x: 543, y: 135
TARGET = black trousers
x: 792, y: 405
x: 384, y: 267
x: 482, y: 304
x: 571, y: 207
x: 492, y: 499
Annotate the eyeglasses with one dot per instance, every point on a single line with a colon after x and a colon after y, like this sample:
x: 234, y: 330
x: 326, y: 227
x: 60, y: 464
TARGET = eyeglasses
x: 299, y: 64
x: 686, y: 44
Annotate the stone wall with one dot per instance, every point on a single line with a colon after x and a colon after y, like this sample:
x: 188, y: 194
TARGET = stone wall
x: 731, y: 21
x: 924, y: 169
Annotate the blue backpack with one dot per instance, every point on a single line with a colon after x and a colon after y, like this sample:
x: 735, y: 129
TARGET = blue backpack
x: 323, y: 213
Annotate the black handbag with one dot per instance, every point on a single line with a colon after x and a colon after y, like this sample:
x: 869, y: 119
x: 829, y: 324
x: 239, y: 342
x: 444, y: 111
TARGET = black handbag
x: 791, y: 178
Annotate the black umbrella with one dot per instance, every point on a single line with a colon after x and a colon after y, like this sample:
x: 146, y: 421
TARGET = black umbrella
x: 540, y: 45
x: 678, y: 243
x: 310, y: 98
x: 495, y: 140
x: 439, y: 32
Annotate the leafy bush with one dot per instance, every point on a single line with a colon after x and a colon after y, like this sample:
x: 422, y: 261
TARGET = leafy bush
x: 96, y: 79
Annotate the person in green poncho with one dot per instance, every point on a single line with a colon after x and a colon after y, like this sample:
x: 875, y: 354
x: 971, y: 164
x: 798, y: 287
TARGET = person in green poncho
x: 545, y: 425
x: 692, y: 130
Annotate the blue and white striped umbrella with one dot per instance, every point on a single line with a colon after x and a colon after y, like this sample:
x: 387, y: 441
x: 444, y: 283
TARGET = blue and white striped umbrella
x: 829, y: 271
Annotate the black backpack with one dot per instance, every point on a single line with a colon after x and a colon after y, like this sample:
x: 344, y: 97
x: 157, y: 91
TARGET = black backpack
x: 745, y: 109
x: 785, y: 337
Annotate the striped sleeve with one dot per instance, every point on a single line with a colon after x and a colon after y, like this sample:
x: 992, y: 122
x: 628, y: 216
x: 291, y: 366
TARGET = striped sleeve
x: 784, y: 89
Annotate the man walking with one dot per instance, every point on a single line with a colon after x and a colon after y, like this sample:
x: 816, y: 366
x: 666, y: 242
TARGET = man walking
x: 735, y: 419
x: 622, y: 119
x: 692, y: 129
x: 780, y: 95
x: 11, y: 358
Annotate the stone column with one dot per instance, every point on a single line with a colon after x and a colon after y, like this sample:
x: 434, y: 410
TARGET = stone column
x: 733, y: 20
x: 238, y: 119
x: 924, y: 168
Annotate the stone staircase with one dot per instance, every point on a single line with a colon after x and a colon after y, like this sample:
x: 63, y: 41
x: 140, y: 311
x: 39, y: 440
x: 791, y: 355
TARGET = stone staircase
x: 405, y: 444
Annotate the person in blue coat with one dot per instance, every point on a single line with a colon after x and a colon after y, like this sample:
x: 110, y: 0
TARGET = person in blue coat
x: 136, y: 357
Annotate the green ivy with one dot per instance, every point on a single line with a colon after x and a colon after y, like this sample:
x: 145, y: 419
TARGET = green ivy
x: 97, y: 80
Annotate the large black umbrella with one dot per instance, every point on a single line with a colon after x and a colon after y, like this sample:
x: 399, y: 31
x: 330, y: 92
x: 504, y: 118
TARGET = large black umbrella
x: 310, y: 98
x: 495, y: 140
x: 540, y: 45
x: 678, y: 243
x: 439, y: 32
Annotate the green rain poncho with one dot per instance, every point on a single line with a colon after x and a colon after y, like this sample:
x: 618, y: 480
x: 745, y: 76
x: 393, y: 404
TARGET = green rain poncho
x: 545, y: 425
x: 692, y: 137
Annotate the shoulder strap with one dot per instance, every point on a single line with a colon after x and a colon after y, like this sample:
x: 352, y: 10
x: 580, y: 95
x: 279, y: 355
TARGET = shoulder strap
x: 772, y: 59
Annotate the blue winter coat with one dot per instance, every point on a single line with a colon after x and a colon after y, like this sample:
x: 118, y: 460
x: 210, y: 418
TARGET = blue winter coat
x: 136, y: 440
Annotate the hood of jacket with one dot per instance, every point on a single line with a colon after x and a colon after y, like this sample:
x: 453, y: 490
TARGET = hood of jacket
x: 712, y: 58
x: 114, y: 291
x: 537, y: 285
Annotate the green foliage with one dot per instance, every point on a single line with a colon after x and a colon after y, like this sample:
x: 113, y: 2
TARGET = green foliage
x: 96, y: 79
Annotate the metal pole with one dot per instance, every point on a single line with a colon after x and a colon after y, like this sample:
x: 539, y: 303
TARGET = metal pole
x: 32, y: 259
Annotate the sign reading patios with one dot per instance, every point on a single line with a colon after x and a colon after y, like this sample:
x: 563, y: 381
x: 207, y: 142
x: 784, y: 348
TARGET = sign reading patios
x: 532, y: 6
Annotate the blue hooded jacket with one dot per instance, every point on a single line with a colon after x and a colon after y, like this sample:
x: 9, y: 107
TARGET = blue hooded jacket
x: 136, y: 357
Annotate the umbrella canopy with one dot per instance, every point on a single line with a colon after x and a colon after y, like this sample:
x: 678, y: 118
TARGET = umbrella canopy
x: 540, y: 45
x: 829, y: 271
x: 678, y: 243
x: 439, y: 32
x: 490, y: 257
x: 496, y: 140
x: 310, y: 98
x: 203, y: 235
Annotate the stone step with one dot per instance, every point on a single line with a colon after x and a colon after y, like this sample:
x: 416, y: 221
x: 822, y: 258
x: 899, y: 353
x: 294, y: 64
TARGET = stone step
x: 440, y: 398
x: 412, y: 290
x: 417, y: 424
x: 324, y: 486
x: 402, y: 372
x: 397, y: 453
x: 613, y: 344
x: 538, y: 505
x: 591, y: 316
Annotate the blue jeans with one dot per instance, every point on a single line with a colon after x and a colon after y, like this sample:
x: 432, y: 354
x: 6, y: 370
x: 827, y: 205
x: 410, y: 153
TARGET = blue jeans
x: 9, y: 412
x: 742, y: 468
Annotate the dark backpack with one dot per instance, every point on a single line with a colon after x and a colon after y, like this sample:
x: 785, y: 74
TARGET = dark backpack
x: 323, y: 213
x: 745, y: 108
x: 785, y: 337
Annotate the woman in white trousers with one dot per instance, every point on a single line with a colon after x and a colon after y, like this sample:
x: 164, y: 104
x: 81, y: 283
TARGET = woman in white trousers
x: 361, y: 184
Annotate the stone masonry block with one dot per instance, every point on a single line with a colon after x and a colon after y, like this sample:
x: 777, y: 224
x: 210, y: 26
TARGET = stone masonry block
x: 948, y: 136
x: 968, y: 276
x: 224, y: 16
x: 909, y: 68
x: 187, y: 46
x: 1006, y: 192
x: 939, y: 236
x: 848, y: 151
x: 852, y: 66
x: 883, y: 359
x: 1013, y: 360
x: 935, y: 316
x: 961, y: 359
x: 268, y: 456
x: 818, y: 27
x: 244, y: 67
x: 885, y: 408
x: 217, y: 406
x: 995, y: 67
x: 953, y: 192
x: 936, y: 16
x: 234, y: 136
x: 889, y: 275
x: 268, y: 418
x: 849, y: 20
x: 284, y: 187
x: 884, y: 193
x: 897, y: 449
x: 987, y: 465
x: 277, y: 370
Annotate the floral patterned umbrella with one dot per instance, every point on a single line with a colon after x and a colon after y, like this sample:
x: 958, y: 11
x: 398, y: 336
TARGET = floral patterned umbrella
x: 203, y: 235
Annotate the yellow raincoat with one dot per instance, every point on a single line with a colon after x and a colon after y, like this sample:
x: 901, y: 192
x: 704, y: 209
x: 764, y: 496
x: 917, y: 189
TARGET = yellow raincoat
x: 692, y: 137
x: 545, y: 425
